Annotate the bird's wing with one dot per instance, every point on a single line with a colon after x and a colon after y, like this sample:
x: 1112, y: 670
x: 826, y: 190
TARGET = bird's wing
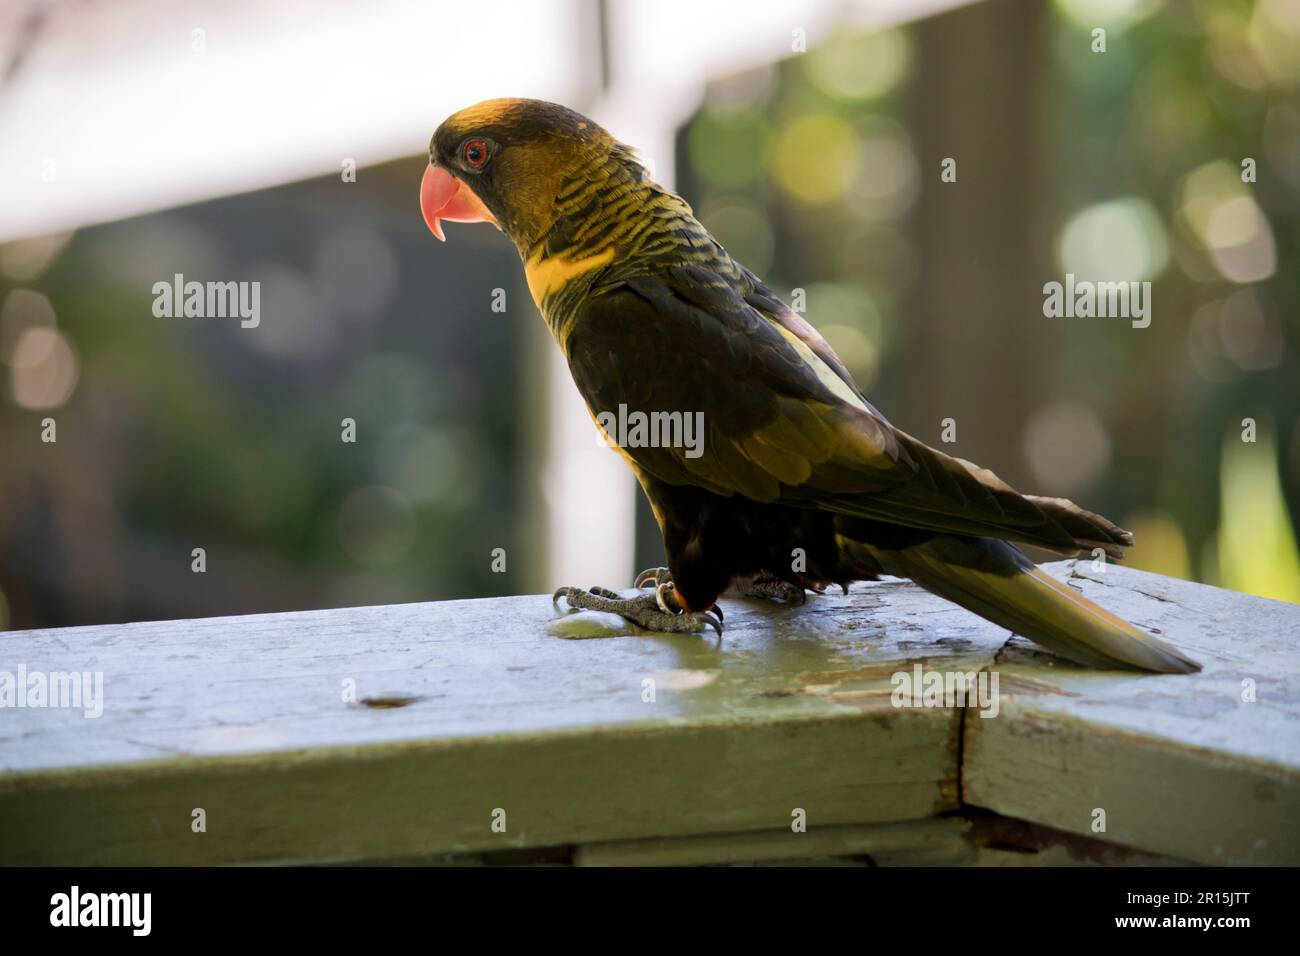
x: 782, y: 419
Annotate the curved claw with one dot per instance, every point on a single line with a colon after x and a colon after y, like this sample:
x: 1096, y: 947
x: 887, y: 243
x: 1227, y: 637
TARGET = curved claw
x: 651, y: 576
x: 714, y: 620
x: 662, y: 587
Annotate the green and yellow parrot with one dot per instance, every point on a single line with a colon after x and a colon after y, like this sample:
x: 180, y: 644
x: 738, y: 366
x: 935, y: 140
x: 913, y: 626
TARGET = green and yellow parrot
x: 797, y: 469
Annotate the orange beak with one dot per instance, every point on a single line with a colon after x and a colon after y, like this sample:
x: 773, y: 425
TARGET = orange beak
x: 443, y: 196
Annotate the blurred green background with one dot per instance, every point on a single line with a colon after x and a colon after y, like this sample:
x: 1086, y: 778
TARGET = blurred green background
x: 822, y: 173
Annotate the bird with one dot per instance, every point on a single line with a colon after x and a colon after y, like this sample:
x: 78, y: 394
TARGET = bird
x: 798, y: 482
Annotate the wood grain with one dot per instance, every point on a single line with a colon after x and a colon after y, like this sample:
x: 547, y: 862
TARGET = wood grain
x: 484, y: 707
x: 464, y: 708
x: 1182, y: 765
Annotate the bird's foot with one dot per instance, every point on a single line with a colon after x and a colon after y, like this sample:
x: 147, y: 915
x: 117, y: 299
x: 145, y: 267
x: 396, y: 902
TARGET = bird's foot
x: 762, y: 585
x: 655, y: 612
x: 770, y: 587
x: 661, y: 579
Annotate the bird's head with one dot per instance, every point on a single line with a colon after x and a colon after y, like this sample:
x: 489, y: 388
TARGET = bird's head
x: 503, y: 161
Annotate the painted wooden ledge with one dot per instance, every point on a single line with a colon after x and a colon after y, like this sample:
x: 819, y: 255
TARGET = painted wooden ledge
x: 461, y: 731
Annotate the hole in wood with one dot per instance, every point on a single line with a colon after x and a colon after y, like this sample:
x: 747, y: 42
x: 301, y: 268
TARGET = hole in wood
x: 388, y: 702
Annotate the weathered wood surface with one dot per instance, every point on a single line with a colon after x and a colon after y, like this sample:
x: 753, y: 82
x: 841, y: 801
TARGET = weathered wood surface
x: 247, y: 719
x: 1188, y: 766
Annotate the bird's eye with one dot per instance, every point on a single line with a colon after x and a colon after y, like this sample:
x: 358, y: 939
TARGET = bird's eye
x: 475, y: 153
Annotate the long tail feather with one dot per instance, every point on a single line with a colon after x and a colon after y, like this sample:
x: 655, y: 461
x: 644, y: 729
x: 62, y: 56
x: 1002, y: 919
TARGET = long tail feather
x: 997, y: 582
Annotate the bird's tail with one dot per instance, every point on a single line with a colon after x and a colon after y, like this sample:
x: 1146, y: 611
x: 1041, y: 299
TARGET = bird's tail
x: 996, y: 581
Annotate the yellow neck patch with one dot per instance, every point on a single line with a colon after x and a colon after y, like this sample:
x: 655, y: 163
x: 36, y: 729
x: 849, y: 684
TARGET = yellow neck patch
x: 548, y: 276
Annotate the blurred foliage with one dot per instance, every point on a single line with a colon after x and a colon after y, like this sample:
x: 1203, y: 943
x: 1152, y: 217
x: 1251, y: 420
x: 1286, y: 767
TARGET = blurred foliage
x: 815, y: 173
x: 180, y: 433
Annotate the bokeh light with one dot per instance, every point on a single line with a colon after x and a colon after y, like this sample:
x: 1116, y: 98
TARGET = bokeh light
x: 1251, y: 330
x: 887, y: 181
x: 1257, y: 546
x: 1236, y: 333
x: 849, y: 319
x: 1274, y: 37
x: 23, y: 309
x: 1220, y: 213
x: 430, y: 465
x: 1067, y: 447
x: 25, y: 260
x: 294, y: 324
x: 1114, y: 15
x: 1171, y: 113
x: 1118, y: 240
x: 729, y: 148
x: 1158, y: 544
x: 817, y: 158
x: 45, y: 369
x: 355, y: 272
x: 860, y: 66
